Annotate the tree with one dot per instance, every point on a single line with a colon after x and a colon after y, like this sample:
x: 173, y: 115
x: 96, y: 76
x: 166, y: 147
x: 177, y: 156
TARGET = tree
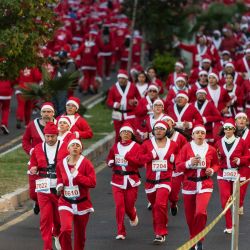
x: 25, y: 25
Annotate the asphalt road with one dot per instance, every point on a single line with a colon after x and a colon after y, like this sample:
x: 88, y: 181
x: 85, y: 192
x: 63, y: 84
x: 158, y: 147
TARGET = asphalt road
x: 102, y: 227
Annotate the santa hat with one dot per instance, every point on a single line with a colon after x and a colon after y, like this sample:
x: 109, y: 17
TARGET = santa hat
x: 75, y: 141
x: 201, y: 91
x: 229, y: 123
x: 214, y: 74
x: 64, y: 118
x: 241, y: 114
x: 50, y: 128
x: 226, y: 52
x: 247, y: 50
x: 161, y: 124
x: 158, y: 101
x: 75, y: 101
x: 229, y: 64
x: 122, y: 74
x: 127, y: 127
x: 47, y: 105
x: 203, y: 72
x: 206, y: 59
x: 180, y: 78
x: 180, y: 64
x: 167, y: 117
x: 183, y: 94
x: 199, y: 127
x: 154, y: 87
x: 217, y: 32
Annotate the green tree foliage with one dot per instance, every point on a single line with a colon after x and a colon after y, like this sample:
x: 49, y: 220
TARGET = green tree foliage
x: 25, y: 24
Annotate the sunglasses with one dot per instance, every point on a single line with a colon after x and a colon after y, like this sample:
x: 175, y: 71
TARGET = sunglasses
x: 228, y: 128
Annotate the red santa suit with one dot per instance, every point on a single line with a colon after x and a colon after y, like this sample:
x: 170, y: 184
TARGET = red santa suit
x: 243, y: 66
x: 159, y: 168
x: 74, y: 204
x: 194, y: 76
x: 197, y: 186
x: 24, y: 107
x: 126, y: 112
x: 194, y: 88
x: 172, y: 93
x: 228, y: 150
x: 6, y: 90
x: 246, y: 91
x: 171, y: 79
x: 210, y: 116
x: 125, y: 182
x: 177, y: 177
x: 45, y: 157
x: 188, y: 113
x: 238, y: 79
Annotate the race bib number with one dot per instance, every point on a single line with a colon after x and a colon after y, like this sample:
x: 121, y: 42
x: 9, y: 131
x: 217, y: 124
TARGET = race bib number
x: 202, y: 163
x: 53, y: 183
x: 71, y: 192
x: 230, y: 174
x: 159, y: 165
x: 120, y: 161
x: 43, y: 185
x: 116, y: 115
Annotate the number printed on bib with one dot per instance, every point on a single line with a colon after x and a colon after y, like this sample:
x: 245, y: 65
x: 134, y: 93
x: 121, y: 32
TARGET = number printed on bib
x: 230, y: 174
x: 120, y: 161
x: 202, y: 163
x: 159, y: 165
x: 43, y: 185
x: 71, y: 192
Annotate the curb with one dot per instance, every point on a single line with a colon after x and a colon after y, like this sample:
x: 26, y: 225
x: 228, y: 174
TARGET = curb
x: 96, y: 153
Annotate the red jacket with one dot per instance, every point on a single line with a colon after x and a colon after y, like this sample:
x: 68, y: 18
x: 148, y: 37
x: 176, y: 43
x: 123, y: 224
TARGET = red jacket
x: 6, y: 90
x: 208, y: 157
x: 84, y: 178
x: 116, y: 160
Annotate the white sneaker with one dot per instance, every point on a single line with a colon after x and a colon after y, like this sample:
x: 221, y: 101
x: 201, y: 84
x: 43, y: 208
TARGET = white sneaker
x: 134, y: 222
x: 57, y: 243
x: 159, y: 239
x: 149, y: 206
x: 120, y: 237
x: 241, y: 211
x: 228, y: 230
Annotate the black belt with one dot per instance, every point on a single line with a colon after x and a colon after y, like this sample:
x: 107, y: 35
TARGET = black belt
x: 71, y: 201
x: 51, y: 176
x: 53, y: 191
x: 197, y: 179
x: 157, y: 181
x: 121, y: 172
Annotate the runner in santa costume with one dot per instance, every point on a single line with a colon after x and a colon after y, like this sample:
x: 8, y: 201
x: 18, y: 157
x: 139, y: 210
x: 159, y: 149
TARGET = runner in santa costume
x: 234, y: 159
x: 159, y: 155
x: 241, y: 122
x: 225, y: 58
x: 178, y: 70
x: 75, y: 176
x: 123, y: 98
x: 199, y: 162
x: 34, y: 135
x: 125, y: 179
x: 184, y: 114
x: 177, y: 177
x: 43, y: 164
x: 209, y: 113
x: 145, y: 107
x: 142, y: 83
x: 78, y: 125
x: 179, y: 85
x: 243, y: 65
x: 152, y: 74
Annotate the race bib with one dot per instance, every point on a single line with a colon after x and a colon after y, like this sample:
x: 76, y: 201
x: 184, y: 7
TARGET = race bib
x: 159, y: 165
x: 230, y: 174
x: 202, y: 163
x: 53, y: 183
x: 71, y: 192
x: 120, y: 161
x: 43, y: 186
x: 116, y: 115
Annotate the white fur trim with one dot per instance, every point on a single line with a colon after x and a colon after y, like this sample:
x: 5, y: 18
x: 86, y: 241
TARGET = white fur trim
x: 229, y: 65
x: 127, y: 128
x: 158, y: 101
x: 179, y: 64
x: 167, y: 117
x: 180, y: 78
x: 203, y: 72
x: 214, y: 75
x: 47, y: 107
x: 201, y: 91
x: 77, y: 141
x: 206, y: 60
x: 199, y: 128
x: 182, y: 95
x: 227, y: 124
x: 122, y: 76
x: 153, y: 87
x: 73, y: 102
x: 160, y: 125
x: 247, y: 51
x: 65, y: 120
x: 241, y: 114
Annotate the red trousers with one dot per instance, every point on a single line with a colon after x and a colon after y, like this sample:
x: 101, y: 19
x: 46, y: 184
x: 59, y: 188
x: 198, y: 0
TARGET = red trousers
x: 107, y: 62
x: 118, y: 125
x: 5, y: 111
x: 124, y: 65
x: 24, y: 109
x: 226, y: 190
x: 124, y: 204
x: 49, y: 218
x: 175, y: 189
x: 159, y: 202
x: 196, y: 212
x: 80, y: 224
x: 32, y: 187
x: 88, y: 80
